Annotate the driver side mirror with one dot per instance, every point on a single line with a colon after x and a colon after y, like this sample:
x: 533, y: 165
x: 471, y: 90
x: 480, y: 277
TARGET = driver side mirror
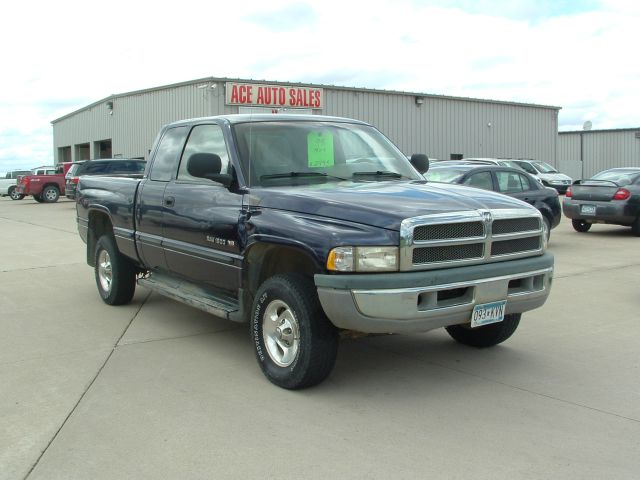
x: 208, y: 165
x: 420, y: 162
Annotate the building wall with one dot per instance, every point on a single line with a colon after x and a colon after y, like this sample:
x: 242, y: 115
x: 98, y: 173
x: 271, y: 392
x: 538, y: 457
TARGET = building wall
x: 439, y: 126
x: 601, y: 149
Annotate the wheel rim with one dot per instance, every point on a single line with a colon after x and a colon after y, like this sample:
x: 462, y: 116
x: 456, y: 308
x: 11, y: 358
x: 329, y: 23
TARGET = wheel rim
x: 14, y: 195
x: 281, y: 333
x: 105, y: 273
x: 50, y: 194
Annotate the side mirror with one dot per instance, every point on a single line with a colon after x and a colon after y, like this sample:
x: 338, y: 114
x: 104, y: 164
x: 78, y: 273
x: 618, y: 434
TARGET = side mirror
x: 208, y: 165
x: 420, y: 162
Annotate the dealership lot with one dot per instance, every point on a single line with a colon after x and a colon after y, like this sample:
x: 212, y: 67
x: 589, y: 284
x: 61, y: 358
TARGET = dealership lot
x: 156, y: 389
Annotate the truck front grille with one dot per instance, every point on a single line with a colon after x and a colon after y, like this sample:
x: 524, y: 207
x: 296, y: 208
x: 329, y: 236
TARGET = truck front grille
x: 478, y: 236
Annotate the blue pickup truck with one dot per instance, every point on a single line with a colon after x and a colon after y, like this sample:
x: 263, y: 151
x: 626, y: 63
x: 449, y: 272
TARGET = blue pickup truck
x: 305, y: 226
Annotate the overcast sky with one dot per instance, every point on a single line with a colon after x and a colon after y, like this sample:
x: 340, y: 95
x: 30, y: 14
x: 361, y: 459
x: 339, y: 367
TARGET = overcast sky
x: 60, y: 56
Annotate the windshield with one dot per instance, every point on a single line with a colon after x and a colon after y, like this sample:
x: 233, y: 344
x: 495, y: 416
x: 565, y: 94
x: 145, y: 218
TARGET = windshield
x: 446, y: 175
x: 543, y: 167
x: 621, y: 177
x: 291, y: 153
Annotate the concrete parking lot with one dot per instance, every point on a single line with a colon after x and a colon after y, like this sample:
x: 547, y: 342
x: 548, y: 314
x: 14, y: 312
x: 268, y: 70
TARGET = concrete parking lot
x: 156, y: 389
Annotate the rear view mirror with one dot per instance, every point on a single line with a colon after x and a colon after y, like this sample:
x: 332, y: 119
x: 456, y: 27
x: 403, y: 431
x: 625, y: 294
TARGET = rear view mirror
x: 420, y: 162
x: 208, y: 165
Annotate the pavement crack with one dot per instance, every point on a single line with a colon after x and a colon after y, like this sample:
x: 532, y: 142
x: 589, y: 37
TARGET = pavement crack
x: 88, y: 387
x: 598, y: 270
x: 165, y: 339
x: 39, y: 225
x: 11, y: 270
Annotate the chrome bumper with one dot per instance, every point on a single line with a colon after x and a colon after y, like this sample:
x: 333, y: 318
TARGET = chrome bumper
x: 424, y: 301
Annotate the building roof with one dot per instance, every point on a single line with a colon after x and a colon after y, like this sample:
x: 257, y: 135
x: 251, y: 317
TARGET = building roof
x: 637, y: 129
x: 297, y: 84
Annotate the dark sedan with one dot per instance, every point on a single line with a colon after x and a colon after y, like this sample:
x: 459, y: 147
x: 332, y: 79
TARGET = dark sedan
x: 509, y: 181
x: 611, y: 196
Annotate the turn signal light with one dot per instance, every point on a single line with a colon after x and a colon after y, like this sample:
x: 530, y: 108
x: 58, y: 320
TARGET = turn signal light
x: 568, y: 193
x: 622, y: 194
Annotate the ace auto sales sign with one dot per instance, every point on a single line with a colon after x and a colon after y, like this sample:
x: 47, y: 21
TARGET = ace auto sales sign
x: 274, y: 96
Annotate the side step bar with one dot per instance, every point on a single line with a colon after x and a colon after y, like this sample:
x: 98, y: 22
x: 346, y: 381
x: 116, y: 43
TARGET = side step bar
x: 193, y: 295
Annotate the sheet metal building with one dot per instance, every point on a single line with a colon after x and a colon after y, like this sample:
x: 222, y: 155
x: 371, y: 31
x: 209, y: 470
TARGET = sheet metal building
x: 583, y: 153
x: 125, y: 125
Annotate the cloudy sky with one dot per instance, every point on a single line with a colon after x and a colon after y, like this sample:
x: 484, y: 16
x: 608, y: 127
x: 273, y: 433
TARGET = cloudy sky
x: 60, y: 56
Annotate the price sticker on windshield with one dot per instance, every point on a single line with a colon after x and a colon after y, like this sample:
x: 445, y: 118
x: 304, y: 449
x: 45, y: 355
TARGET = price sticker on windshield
x: 320, y: 150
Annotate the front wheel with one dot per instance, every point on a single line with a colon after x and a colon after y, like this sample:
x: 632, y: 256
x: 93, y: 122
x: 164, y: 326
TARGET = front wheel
x: 295, y: 344
x: 487, y: 335
x: 580, y: 225
x: 38, y: 198
x: 115, y: 275
x: 50, y: 194
x: 15, y: 195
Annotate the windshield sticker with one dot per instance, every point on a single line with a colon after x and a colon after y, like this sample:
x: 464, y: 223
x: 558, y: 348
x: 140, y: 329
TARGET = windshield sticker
x: 320, y: 149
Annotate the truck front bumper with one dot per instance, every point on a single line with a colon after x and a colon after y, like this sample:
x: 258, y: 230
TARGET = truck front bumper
x: 421, y: 301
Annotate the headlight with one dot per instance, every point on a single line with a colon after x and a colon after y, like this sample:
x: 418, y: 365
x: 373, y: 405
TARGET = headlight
x: 555, y: 182
x: 363, y: 259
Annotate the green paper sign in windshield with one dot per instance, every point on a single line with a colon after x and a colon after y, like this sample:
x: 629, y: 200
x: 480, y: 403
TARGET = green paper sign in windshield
x: 320, y: 149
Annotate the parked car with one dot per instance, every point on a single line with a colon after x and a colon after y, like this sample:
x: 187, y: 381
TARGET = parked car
x: 45, y: 184
x: 505, y: 162
x: 8, y: 184
x: 611, y: 196
x: 118, y: 167
x: 509, y: 181
x: 549, y: 176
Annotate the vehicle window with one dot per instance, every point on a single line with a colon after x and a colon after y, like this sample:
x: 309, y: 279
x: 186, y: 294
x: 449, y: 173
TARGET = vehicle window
x: 443, y: 175
x: 480, y: 180
x: 94, y: 168
x: 527, y: 168
x: 123, y: 167
x: 166, y: 156
x: 544, y: 167
x: 620, y: 177
x: 204, y: 139
x: 512, y: 182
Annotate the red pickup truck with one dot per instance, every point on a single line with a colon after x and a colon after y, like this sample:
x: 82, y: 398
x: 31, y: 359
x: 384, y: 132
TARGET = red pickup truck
x: 46, y: 184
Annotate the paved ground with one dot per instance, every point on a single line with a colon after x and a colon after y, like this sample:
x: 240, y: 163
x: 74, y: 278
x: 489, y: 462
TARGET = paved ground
x: 159, y: 390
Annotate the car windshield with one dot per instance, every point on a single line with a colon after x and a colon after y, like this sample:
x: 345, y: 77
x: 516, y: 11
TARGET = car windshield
x: 446, y: 175
x: 543, y: 167
x: 510, y: 163
x: 294, y: 152
x: 621, y: 177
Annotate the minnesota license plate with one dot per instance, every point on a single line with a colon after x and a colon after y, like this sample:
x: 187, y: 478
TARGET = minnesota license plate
x: 487, y: 313
x: 588, y: 209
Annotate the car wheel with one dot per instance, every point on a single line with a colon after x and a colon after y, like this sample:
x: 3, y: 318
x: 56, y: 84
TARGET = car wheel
x: 580, y: 225
x: 295, y: 344
x: 50, y: 194
x: 38, y: 198
x: 15, y: 195
x: 635, y: 227
x: 487, y: 335
x: 547, y: 227
x: 115, y: 275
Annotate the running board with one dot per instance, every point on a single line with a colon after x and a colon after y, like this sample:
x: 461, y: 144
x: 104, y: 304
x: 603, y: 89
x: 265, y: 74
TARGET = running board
x: 192, y: 295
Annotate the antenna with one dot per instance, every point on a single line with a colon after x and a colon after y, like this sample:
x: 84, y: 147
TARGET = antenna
x: 586, y: 126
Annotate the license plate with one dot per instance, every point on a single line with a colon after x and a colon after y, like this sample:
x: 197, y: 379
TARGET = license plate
x: 588, y: 209
x: 487, y: 313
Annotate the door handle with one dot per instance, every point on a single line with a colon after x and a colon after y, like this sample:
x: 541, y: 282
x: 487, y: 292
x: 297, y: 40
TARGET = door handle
x: 169, y: 201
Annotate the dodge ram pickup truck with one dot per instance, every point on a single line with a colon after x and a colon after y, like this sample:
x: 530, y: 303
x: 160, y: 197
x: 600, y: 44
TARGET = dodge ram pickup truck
x: 306, y: 226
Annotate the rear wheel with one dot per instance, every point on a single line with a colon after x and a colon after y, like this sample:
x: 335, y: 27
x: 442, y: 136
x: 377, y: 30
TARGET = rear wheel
x: 115, y: 275
x: 15, y: 195
x: 580, y: 225
x: 487, y: 335
x: 50, y: 194
x: 295, y: 344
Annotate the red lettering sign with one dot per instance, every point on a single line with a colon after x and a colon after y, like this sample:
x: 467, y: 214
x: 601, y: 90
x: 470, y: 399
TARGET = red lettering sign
x: 273, y: 96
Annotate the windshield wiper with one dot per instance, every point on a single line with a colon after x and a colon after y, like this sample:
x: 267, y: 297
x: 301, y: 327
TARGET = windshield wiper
x: 378, y: 173
x: 298, y: 174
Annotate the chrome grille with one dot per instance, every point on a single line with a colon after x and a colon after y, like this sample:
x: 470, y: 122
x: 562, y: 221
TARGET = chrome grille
x: 447, y: 253
x: 512, y: 225
x: 471, y: 237
x: 507, y: 247
x: 448, y: 231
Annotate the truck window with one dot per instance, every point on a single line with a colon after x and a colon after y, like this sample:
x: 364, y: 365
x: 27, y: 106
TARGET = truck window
x: 166, y: 157
x: 204, y: 139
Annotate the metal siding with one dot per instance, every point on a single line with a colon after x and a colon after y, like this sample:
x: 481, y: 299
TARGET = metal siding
x: 439, y: 127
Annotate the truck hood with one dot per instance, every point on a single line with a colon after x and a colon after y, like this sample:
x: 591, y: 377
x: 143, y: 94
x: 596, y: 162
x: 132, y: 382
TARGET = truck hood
x: 554, y: 176
x: 380, y: 204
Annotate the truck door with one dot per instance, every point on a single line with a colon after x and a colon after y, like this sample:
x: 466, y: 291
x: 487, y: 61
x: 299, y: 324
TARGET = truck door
x: 150, y: 205
x: 201, y: 218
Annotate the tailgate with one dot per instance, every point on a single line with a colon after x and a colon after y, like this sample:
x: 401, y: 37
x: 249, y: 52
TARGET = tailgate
x: 597, y: 192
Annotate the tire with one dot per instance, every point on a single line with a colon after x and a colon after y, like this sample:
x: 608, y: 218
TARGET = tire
x: 580, y: 225
x: 547, y: 226
x: 488, y: 335
x: 295, y: 344
x: 635, y: 227
x: 115, y: 275
x: 50, y: 194
x: 38, y: 198
x: 15, y: 195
